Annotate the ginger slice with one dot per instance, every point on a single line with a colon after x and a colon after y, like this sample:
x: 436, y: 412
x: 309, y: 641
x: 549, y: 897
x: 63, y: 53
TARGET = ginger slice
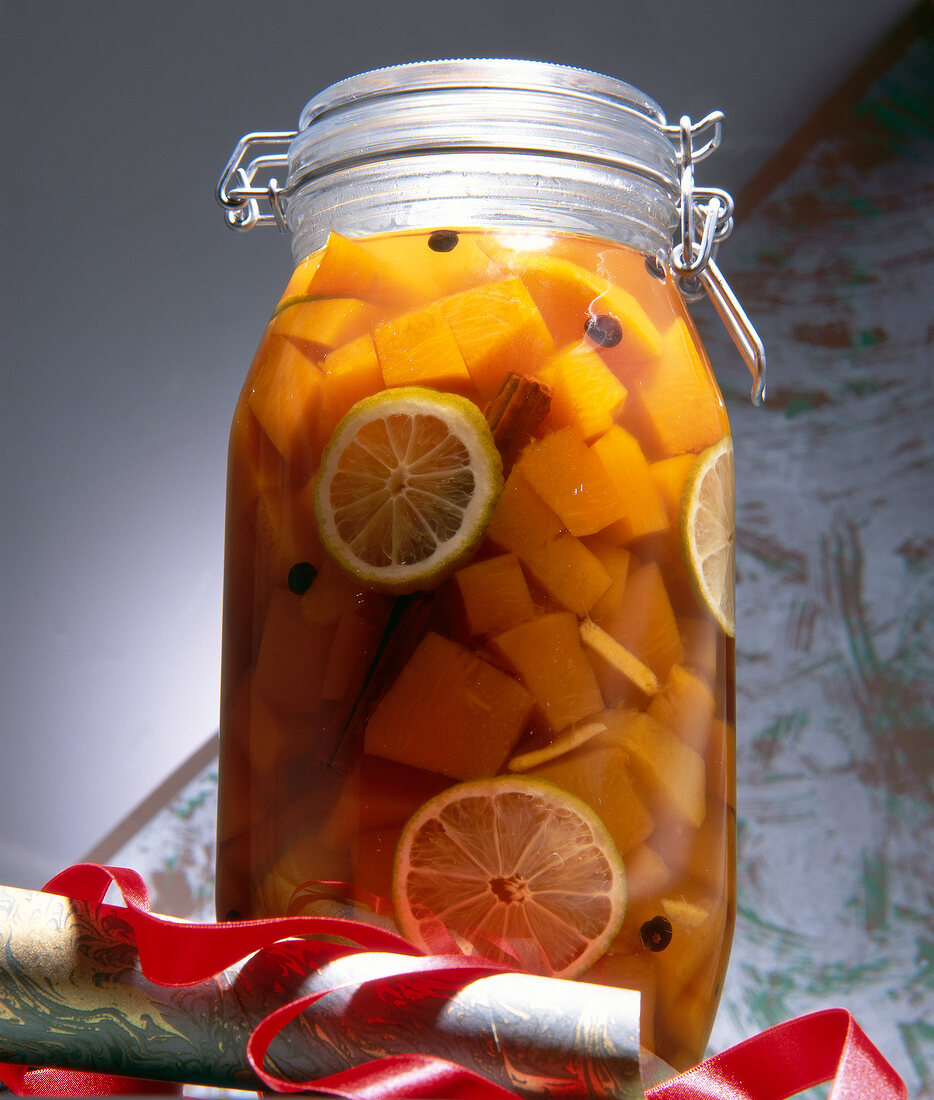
x: 606, y: 646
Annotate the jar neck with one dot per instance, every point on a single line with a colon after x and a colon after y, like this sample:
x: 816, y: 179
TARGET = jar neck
x: 510, y: 145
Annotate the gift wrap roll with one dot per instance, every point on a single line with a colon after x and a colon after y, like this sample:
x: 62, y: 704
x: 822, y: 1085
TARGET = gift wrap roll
x: 72, y: 995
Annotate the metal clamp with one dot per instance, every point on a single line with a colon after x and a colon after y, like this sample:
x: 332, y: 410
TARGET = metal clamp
x: 706, y: 216
x: 237, y: 190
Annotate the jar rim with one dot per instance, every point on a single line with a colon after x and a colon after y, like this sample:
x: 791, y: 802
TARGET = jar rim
x: 505, y: 74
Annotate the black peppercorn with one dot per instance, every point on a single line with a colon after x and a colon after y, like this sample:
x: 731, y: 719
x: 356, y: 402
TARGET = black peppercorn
x: 654, y: 266
x: 656, y: 933
x: 301, y: 577
x: 604, y: 330
x: 442, y: 240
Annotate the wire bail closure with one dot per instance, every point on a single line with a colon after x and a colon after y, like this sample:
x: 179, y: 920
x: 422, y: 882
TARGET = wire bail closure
x: 705, y: 215
x: 240, y: 195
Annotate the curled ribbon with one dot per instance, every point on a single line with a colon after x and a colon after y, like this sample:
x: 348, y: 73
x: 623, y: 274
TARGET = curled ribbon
x: 775, y: 1065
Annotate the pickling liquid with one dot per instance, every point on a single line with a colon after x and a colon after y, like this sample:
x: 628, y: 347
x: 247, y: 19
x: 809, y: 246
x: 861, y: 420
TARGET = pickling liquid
x: 575, y: 643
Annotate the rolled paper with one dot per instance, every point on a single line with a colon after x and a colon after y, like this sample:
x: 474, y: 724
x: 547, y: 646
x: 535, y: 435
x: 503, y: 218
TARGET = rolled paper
x: 73, y: 995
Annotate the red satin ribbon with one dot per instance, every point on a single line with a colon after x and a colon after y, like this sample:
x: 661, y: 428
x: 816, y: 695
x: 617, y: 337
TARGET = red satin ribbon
x: 776, y: 1065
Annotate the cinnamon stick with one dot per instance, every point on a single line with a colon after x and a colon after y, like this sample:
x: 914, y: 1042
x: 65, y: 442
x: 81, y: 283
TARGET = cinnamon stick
x: 514, y: 413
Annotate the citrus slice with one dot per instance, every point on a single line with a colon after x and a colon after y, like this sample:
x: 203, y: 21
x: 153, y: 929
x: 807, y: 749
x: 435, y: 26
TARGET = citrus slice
x: 514, y: 869
x: 407, y: 485
x: 708, y: 525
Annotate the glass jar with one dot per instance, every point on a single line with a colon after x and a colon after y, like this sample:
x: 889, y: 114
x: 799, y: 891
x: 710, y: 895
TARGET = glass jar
x: 478, y: 646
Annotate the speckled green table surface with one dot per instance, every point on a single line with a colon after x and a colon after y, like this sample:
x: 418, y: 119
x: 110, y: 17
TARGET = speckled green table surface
x: 835, y: 482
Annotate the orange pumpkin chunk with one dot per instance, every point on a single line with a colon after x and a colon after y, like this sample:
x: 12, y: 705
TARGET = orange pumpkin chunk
x: 568, y: 296
x: 676, y: 406
x: 347, y: 270
x: 498, y: 329
x: 573, y: 481
x: 548, y: 656
x: 286, y: 533
x: 645, y: 622
x: 616, y: 561
x: 449, y: 711
x: 325, y: 322
x: 686, y: 707
x: 587, y: 395
x: 419, y: 349
x: 669, y: 774
x: 377, y: 794
x: 292, y: 656
x: 622, y: 456
x: 351, y: 373
x: 494, y: 594
x: 354, y: 646
x: 670, y: 475
x: 598, y: 772
x: 284, y: 390
x: 440, y: 272
x: 560, y: 563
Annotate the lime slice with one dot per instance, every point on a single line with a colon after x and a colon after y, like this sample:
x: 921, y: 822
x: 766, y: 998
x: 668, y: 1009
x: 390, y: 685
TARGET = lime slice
x: 407, y: 485
x: 708, y: 525
x: 514, y: 869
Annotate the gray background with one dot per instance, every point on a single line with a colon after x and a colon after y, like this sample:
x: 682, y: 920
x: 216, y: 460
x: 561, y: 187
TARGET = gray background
x: 129, y: 314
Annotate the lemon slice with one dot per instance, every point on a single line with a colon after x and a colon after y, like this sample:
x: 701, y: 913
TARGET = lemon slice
x: 514, y: 869
x: 708, y: 526
x: 407, y: 485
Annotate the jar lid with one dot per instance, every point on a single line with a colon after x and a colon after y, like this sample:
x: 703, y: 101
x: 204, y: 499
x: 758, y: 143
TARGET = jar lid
x: 507, y: 106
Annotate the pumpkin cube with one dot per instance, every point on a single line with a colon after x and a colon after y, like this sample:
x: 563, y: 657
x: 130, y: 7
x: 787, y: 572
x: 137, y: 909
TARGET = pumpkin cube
x: 573, y: 481
x: 645, y: 623
x: 378, y: 793
x: 324, y: 323
x: 293, y: 656
x: 645, y: 511
x: 587, y: 395
x: 670, y: 475
x: 419, y: 349
x: 440, y: 272
x: 616, y: 561
x: 704, y: 645
x: 599, y: 773
x: 300, y: 280
x: 685, y: 706
x: 449, y: 711
x: 689, y: 969
x: 356, y: 638
x: 494, y: 594
x: 351, y: 372
x: 568, y: 296
x: 283, y: 392
x: 560, y: 563
x: 669, y: 775
x: 547, y: 654
x: 675, y: 406
x: 346, y: 269
x: 498, y: 330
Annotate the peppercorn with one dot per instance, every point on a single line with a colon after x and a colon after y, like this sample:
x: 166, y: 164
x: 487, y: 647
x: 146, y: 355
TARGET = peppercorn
x: 604, y: 330
x: 654, y: 266
x: 301, y: 577
x: 656, y: 933
x: 443, y: 240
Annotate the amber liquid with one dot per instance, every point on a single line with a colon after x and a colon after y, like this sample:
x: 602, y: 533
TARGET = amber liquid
x: 308, y: 792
